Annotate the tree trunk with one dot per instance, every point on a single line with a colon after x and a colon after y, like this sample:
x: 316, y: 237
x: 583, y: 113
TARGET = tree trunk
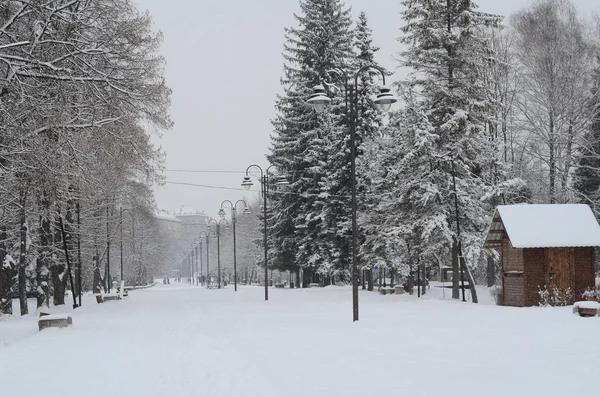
x: 79, y: 262
x: 59, y: 278
x: 370, y: 279
x: 455, y: 270
x: 552, y: 160
x: 491, y: 271
x: 58, y: 272
x: 23, y: 261
x: 7, y: 272
x: 298, y: 278
x: 469, y: 277
x: 307, y: 277
x: 567, y: 159
x: 97, y: 280
x: 44, y: 259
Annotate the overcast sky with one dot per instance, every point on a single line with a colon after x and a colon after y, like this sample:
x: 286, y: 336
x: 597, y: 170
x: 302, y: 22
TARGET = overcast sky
x: 224, y: 63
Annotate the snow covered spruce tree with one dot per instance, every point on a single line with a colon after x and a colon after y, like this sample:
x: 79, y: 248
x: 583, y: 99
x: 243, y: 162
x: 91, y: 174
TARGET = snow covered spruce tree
x: 369, y: 141
x: 449, y: 135
x: 408, y: 224
x: 308, y: 230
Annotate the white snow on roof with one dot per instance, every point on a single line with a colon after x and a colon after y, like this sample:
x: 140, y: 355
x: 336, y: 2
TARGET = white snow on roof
x: 166, y: 216
x: 186, y: 210
x: 550, y: 225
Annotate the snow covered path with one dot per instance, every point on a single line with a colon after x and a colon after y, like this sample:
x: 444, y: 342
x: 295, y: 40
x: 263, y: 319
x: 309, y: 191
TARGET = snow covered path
x: 178, y: 340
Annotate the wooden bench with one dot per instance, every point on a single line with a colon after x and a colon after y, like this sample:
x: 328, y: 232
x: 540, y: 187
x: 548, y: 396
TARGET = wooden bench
x: 54, y: 321
x: 111, y: 297
x: 279, y: 285
x: 314, y: 285
x: 587, y: 308
x: 101, y: 298
x: 387, y: 290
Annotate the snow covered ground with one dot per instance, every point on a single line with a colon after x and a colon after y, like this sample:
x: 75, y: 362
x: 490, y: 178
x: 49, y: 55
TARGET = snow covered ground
x: 178, y: 340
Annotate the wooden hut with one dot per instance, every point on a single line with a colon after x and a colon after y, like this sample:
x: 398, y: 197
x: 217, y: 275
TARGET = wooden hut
x: 544, y: 245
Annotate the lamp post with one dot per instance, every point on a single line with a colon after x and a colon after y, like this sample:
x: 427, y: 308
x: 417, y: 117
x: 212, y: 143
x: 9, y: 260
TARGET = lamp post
x: 200, y: 264
x: 192, y: 265
x: 196, y: 265
x: 264, y: 184
x: 233, y: 222
x: 107, y: 279
x: 384, y: 100
x: 218, y: 229
x: 206, y: 237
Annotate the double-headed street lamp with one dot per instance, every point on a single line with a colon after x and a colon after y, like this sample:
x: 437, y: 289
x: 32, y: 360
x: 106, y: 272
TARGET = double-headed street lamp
x: 233, y: 222
x: 206, y: 236
x: 189, y: 261
x: 264, y: 184
x: 218, y: 225
x: 319, y: 100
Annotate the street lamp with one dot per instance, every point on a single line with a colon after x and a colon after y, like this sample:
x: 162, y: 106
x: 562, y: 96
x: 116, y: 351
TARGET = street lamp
x: 233, y: 222
x: 192, y: 264
x: 319, y: 100
x: 206, y: 237
x: 197, y: 273
x: 199, y: 261
x: 264, y: 184
x: 218, y: 225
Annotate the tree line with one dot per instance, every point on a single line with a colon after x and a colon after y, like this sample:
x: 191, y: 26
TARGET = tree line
x: 81, y: 92
x: 494, y: 111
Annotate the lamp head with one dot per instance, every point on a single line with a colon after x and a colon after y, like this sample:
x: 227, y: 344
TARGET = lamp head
x: 385, y: 99
x: 247, y: 183
x: 319, y: 99
x: 221, y: 213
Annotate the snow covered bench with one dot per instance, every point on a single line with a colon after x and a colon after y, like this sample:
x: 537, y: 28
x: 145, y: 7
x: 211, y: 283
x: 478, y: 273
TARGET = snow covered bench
x: 111, y: 297
x: 101, y: 298
x: 387, y: 290
x: 54, y: 321
x: 587, y: 308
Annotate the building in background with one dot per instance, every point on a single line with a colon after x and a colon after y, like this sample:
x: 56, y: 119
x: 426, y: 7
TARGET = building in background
x: 193, y: 222
x: 180, y: 229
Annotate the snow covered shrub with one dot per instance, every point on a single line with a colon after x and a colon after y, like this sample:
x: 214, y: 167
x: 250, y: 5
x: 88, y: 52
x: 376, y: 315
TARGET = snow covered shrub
x: 496, y: 292
x: 591, y: 293
x: 555, y: 296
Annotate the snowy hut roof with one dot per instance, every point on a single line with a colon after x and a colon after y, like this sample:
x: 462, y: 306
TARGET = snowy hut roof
x: 544, y: 225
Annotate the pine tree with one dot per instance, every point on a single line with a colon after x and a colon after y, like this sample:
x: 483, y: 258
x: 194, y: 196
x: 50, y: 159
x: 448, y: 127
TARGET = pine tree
x: 445, y: 53
x: 369, y: 141
x: 304, y: 142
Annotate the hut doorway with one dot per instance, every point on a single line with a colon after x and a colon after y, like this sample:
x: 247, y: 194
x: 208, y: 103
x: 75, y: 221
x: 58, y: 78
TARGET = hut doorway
x: 560, y: 268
